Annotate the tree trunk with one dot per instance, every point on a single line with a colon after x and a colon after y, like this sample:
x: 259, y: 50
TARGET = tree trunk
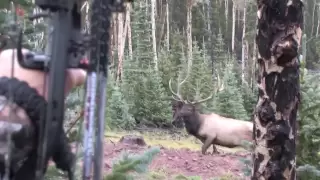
x: 226, y: 5
x: 154, y: 40
x: 233, y: 25
x: 189, y: 30
x: 313, y: 13
x: 318, y: 26
x: 254, y: 62
x: 243, y: 43
x: 279, y: 91
x: 168, y: 25
x: 129, y: 31
x: 122, y: 36
x: 160, y: 22
x: 114, y: 44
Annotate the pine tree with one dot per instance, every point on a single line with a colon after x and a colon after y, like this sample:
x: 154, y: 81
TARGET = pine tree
x: 309, y: 114
x: 117, y: 110
x: 220, y: 55
x: 229, y: 102
x: 125, y: 167
x: 156, y: 100
x: 141, y: 34
x: 199, y: 83
x: 127, y: 163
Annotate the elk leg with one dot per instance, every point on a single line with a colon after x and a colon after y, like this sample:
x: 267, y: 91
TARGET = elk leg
x: 214, y: 149
x: 206, y: 144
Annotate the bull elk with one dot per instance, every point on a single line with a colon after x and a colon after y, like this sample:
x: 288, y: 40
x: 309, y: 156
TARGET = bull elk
x: 210, y: 129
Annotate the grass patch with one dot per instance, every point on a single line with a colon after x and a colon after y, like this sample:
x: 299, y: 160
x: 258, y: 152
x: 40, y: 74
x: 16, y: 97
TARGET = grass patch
x: 159, y: 138
x: 174, y: 141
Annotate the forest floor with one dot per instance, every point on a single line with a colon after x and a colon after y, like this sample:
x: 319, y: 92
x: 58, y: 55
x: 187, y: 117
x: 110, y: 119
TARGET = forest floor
x: 179, y: 157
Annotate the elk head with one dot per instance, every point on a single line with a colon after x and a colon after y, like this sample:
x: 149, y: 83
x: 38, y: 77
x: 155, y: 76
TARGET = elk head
x: 187, y: 108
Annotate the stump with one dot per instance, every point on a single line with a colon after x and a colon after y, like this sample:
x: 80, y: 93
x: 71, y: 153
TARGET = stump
x: 133, y: 140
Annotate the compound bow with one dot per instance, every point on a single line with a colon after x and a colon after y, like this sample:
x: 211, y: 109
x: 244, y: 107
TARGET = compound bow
x: 66, y: 47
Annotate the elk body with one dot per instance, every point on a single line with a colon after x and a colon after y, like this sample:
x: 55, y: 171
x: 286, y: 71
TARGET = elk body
x: 211, y: 129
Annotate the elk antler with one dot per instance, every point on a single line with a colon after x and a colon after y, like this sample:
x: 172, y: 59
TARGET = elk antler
x: 219, y: 88
x: 178, y: 94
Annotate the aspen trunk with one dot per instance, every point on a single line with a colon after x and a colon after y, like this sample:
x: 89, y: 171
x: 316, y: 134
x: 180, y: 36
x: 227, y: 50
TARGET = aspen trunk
x: 313, y: 13
x: 168, y: 25
x: 111, y: 49
x: 189, y: 30
x: 115, y: 41
x: 160, y: 21
x: 243, y: 44
x: 254, y: 62
x: 275, y: 117
x: 129, y: 31
x: 122, y: 34
x: 226, y: 5
x: 233, y: 26
x: 119, y: 45
x: 318, y: 26
x: 154, y: 40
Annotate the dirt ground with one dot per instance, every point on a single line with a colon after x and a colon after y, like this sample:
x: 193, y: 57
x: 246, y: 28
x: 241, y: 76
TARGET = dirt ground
x: 184, y: 161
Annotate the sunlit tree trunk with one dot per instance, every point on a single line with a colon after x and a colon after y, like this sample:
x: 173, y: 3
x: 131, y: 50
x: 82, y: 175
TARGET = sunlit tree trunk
x: 279, y: 91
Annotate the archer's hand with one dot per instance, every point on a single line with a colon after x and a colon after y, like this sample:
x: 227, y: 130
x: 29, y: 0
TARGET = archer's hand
x: 35, y: 79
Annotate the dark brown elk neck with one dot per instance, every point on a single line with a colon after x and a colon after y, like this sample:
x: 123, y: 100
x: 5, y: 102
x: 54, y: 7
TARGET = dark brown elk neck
x: 193, y: 123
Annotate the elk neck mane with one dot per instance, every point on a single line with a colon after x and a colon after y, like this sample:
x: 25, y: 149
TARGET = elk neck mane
x: 193, y: 123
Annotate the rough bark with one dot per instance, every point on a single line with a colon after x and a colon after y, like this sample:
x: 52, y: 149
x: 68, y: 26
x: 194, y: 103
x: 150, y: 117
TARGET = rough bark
x: 278, y: 39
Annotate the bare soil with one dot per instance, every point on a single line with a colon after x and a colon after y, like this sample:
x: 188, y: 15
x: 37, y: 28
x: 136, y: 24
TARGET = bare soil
x: 183, y: 161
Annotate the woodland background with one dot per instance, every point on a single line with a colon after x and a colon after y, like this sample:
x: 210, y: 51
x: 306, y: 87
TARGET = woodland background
x: 156, y: 40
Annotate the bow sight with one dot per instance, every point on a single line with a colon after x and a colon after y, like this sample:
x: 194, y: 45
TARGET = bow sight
x: 66, y: 47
